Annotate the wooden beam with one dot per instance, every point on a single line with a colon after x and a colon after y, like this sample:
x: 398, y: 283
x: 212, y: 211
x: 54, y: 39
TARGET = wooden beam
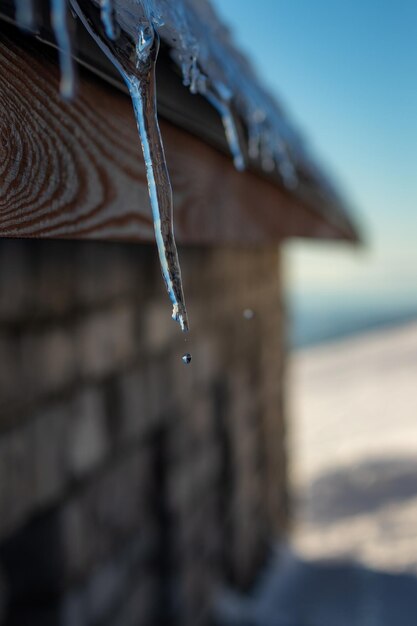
x: 75, y: 170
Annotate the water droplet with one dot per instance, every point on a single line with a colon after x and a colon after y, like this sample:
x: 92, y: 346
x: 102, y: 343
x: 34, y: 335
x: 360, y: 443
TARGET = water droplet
x: 186, y: 358
x: 248, y: 314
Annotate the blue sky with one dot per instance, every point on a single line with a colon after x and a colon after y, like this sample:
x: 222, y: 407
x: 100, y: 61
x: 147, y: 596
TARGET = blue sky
x: 346, y: 70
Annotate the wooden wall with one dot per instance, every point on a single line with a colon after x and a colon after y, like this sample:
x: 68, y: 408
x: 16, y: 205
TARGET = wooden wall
x: 132, y: 486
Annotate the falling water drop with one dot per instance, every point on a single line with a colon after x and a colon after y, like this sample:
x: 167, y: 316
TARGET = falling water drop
x: 248, y: 314
x: 186, y: 358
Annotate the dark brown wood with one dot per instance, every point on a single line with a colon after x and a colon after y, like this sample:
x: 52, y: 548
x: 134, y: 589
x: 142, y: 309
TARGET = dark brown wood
x: 76, y: 169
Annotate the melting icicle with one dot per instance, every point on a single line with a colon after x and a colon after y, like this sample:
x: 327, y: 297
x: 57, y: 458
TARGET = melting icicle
x: 106, y: 12
x: 25, y: 16
x: 137, y: 67
x: 222, y: 103
x: 160, y: 192
x: 60, y: 26
x: 142, y: 91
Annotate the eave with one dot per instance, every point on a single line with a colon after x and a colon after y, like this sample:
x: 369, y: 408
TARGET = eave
x: 93, y: 181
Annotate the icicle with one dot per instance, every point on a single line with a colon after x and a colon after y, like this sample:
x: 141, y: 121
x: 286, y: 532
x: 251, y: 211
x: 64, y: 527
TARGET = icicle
x: 137, y: 67
x: 222, y: 102
x: 106, y: 12
x: 232, y: 136
x: 142, y: 92
x: 60, y: 26
x: 25, y: 16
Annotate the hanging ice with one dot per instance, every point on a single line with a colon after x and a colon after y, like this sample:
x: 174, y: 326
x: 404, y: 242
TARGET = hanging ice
x: 25, y: 19
x: 221, y: 98
x: 134, y: 54
x: 142, y: 90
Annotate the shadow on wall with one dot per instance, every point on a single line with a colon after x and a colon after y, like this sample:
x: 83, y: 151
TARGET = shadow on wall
x: 363, y: 488
x: 294, y: 592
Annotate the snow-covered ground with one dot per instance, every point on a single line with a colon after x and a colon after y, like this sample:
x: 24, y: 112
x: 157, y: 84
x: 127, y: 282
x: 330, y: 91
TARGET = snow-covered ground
x: 352, y: 555
x: 353, y: 445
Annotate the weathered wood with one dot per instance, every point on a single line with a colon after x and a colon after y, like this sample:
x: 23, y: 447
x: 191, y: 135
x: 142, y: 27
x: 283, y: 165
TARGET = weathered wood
x: 76, y: 170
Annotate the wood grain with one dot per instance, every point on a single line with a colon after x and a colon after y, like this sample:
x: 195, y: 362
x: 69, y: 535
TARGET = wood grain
x: 75, y: 170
